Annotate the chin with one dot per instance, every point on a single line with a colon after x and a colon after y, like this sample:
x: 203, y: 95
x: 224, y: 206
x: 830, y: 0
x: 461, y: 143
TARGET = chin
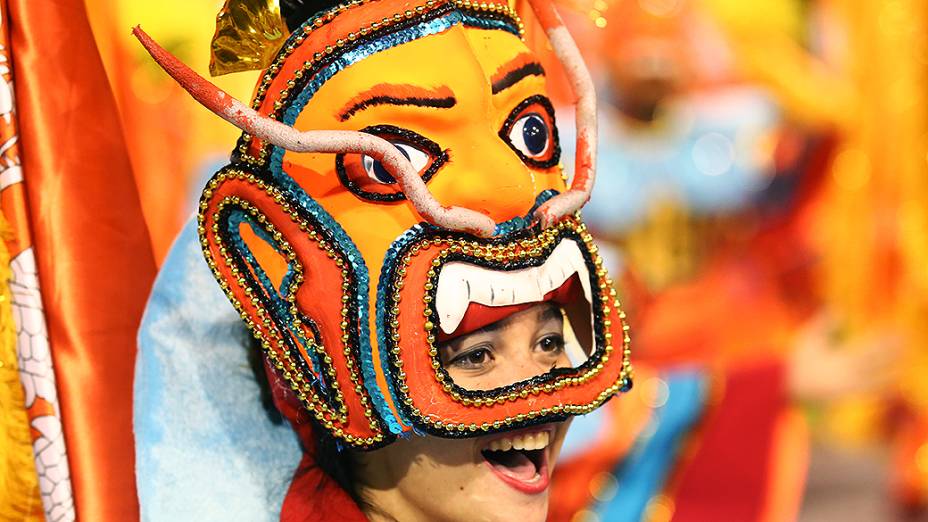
x: 514, y: 471
x: 499, y: 502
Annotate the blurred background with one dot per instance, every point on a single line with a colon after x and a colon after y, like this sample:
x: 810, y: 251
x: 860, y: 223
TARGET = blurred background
x: 762, y: 200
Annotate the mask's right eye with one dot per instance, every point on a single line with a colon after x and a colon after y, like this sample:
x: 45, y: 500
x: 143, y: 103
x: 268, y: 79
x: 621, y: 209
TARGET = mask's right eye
x: 378, y: 173
x: 367, y: 177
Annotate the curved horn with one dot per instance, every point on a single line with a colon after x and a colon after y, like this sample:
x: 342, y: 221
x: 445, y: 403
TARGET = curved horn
x: 583, y: 88
x: 285, y: 136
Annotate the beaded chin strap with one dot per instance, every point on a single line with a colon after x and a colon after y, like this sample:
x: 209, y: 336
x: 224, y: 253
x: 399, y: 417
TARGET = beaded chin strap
x: 333, y: 141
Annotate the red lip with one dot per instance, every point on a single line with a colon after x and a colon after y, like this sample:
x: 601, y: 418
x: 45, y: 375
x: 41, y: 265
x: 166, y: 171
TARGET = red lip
x: 538, y: 484
x: 541, y: 479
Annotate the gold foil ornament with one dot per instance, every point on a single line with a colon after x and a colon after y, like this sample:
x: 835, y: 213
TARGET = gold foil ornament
x: 248, y: 35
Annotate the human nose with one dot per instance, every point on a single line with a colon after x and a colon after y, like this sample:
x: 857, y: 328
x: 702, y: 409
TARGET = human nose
x: 521, y: 366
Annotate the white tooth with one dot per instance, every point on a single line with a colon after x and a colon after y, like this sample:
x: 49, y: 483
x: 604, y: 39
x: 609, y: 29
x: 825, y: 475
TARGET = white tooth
x: 479, y: 286
x: 449, y: 298
x: 494, y: 445
x: 542, y: 440
x: 549, y: 277
x: 579, y: 266
x: 505, y: 444
x: 514, y: 287
x: 518, y: 443
x: 497, y: 290
x: 460, y: 284
x: 541, y: 280
x: 560, y: 262
x: 566, y: 269
x: 531, y: 442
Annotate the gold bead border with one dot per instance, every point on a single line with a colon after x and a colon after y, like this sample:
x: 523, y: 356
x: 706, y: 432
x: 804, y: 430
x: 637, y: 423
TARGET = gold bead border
x: 371, y: 30
x: 320, y: 410
x: 531, y: 248
x: 502, y: 253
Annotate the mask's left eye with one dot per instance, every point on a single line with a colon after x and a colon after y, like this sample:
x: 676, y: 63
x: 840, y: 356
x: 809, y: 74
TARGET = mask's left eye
x: 367, y: 177
x: 531, y: 135
x: 531, y: 132
x: 378, y: 173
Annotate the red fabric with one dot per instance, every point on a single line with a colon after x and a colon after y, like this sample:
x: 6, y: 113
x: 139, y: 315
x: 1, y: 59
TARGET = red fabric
x: 313, y: 495
x: 727, y: 478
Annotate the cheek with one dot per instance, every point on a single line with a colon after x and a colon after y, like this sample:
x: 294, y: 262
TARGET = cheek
x: 558, y: 442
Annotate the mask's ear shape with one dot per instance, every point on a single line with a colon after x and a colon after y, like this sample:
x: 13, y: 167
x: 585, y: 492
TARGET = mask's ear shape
x: 301, y: 290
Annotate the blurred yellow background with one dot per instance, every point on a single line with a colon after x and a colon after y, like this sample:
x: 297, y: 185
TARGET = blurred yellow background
x: 851, y: 73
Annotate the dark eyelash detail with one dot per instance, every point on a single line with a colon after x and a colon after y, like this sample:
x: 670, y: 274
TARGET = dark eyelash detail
x: 463, y: 355
x: 545, y: 103
x: 390, y: 132
x: 559, y: 339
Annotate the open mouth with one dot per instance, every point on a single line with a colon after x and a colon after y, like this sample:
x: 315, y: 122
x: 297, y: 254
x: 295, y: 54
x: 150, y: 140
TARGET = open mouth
x: 520, y: 459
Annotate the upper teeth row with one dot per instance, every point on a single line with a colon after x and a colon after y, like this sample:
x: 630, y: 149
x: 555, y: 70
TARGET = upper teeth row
x: 529, y: 441
x: 460, y: 284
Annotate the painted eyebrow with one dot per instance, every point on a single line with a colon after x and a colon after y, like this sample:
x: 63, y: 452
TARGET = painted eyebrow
x: 517, y: 69
x: 392, y: 94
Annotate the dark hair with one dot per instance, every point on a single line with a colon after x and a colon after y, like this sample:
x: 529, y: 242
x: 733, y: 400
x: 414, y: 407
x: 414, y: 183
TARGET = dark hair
x: 295, y: 12
x: 334, y: 462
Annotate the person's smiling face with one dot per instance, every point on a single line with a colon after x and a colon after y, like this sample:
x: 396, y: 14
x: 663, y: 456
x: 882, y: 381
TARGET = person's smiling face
x: 490, y: 478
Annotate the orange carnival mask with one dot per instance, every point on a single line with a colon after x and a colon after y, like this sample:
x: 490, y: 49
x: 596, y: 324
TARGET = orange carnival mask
x: 398, y: 179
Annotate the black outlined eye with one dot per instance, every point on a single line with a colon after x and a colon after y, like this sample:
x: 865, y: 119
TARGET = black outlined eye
x: 530, y: 135
x: 530, y: 132
x: 368, y: 179
x: 378, y: 173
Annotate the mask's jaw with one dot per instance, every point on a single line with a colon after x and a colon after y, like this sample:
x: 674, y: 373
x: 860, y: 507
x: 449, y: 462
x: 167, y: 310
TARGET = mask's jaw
x: 413, y: 301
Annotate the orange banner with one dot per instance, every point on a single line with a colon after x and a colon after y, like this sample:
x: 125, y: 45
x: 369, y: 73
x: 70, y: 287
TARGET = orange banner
x: 92, y: 250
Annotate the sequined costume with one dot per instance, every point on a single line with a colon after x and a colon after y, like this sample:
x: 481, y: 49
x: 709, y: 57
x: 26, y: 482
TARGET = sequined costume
x: 369, y: 210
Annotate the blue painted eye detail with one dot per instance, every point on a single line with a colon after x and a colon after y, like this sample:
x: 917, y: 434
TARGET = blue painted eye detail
x: 530, y: 135
x: 368, y: 179
x: 530, y: 131
x: 376, y: 171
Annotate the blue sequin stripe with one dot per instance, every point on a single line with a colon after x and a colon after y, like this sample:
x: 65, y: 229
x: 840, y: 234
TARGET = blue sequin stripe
x: 242, y: 217
x: 359, y: 294
x: 490, y: 23
x: 521, y: 222
x: 388, y: 41
x: 279, y: 307
x: 384, y: 296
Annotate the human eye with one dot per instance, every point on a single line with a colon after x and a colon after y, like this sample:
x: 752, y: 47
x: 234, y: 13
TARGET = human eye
x: 477, y: 358
x: 551, y: 344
